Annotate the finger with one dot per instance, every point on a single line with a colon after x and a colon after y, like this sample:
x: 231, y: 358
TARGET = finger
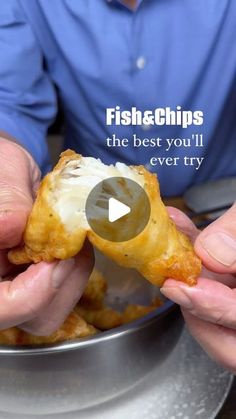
x: 209, y: 300
x: 66, y: 299
x: 219, y: 342
x: 226, y: 279
x: 216, y: 245
x: 31, y: 292
x: 183, y: 223
x: 16, y: 192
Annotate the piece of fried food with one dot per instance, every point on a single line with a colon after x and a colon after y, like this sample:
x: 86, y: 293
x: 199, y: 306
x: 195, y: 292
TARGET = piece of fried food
x: 57, y: 226
x: 104, y: 318
x: 91, y: 306
x: 95, y: 291
x: 135, y: 311
x: 74, y: 327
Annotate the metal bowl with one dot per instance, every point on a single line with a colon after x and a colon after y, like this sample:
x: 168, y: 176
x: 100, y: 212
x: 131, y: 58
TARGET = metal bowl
x: 74, y: 375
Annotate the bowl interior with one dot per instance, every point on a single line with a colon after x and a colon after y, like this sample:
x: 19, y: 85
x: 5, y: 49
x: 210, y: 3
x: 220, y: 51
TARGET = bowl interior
x: 125, y: 286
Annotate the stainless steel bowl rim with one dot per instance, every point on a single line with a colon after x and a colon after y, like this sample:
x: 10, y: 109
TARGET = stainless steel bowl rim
x: 85, y: 342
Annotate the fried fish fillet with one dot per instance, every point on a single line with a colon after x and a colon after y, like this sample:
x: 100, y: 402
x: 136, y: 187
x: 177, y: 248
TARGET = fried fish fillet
x: 91, y: 306
x: 104, y: 318
x: 95, y: 291
x: 74, y: 327
x: 57, y: 226
x: 135, y: 311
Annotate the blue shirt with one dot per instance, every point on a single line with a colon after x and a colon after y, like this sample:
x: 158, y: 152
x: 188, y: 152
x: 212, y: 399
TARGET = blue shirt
x: 100, y: 54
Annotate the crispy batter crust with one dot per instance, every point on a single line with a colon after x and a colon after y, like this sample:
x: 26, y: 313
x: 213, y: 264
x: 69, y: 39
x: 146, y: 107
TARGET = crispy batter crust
x: 94, y: 292
x: 159, y: 252
x: 104, y: 318
x: 74, y: 327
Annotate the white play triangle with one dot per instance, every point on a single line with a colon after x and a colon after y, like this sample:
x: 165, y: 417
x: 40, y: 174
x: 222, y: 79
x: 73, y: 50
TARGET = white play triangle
x: 116, y: 210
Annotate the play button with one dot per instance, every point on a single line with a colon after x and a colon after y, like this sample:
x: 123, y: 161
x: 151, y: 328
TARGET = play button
x: 117, y: 209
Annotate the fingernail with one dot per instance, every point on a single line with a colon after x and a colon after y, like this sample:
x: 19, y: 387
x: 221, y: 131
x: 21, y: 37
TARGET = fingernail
x: 221, y: 247
x: 178, y: 296
x: 61, y: 272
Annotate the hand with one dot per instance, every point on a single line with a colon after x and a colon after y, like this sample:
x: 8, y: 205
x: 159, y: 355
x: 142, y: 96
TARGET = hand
x: 209, y: 308
x: 40, y: 298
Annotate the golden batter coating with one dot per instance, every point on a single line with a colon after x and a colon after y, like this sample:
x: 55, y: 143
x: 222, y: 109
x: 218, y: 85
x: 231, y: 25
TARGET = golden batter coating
x: 57, y: 226
x: 104, y: 318
x: 74, y: 327
x: 135, y: 311
x: 95, y: 291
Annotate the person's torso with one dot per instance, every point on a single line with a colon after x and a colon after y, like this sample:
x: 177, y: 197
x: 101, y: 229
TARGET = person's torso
x: 168, y: 53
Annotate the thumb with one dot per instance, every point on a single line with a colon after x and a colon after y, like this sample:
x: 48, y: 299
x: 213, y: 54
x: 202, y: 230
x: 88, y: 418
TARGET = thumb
x: 216, y: 245
x: 183, y: 223
x: 18, y: 177
x: 209, y: 300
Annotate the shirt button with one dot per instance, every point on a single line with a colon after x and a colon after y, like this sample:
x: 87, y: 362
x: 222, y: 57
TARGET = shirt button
x: 146, y: 127
x: 140, y: 63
